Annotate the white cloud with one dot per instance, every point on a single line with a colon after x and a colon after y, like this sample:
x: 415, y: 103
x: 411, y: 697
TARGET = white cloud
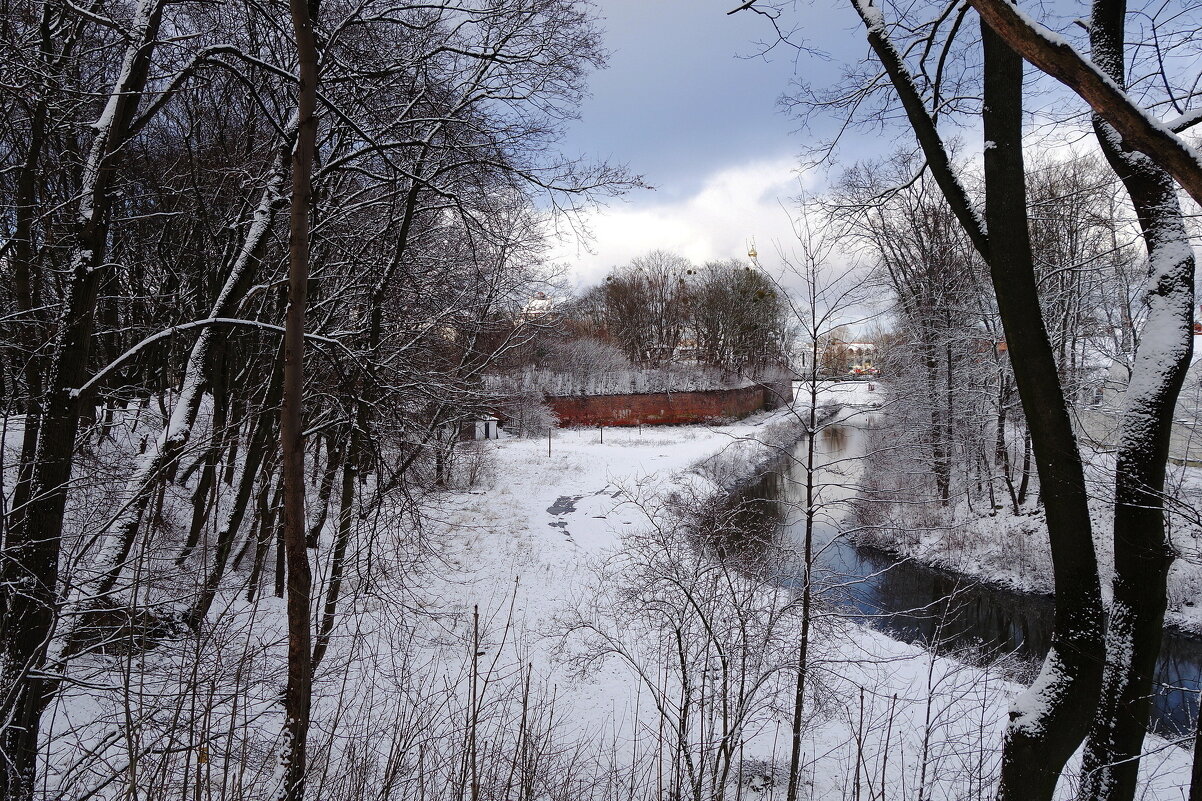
x: 734, y: 206
x: 756, y: 201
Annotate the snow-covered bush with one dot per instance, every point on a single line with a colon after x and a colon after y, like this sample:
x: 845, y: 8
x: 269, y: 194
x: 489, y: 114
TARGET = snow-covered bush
x: 559, y: 383
x: 473, y: 465
x: 527, y: 414
x: 712, y: 642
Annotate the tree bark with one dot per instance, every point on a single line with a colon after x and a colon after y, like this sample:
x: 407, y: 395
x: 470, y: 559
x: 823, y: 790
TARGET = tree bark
x: 346, y: 505
x: 1049, y: 721
x: 298, y: 694
x: 1142, y: 554
x: 333, y: 462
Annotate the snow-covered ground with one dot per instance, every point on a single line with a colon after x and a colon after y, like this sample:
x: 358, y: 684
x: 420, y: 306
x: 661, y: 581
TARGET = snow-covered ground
x: 559, y: 627
x: 1012, y: 550
x: 544, y: 545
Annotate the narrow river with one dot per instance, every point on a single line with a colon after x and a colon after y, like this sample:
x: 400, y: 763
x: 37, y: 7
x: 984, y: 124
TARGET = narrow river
x: 919, y: 604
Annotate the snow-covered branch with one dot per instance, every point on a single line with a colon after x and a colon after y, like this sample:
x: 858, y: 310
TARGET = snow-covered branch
x: 1052, y: 54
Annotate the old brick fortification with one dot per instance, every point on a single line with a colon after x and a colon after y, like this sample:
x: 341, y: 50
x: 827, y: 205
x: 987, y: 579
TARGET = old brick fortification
x: 662, y: 408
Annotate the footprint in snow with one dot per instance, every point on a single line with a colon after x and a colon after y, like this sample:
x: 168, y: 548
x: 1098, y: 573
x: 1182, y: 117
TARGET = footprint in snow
x: 564, y: 504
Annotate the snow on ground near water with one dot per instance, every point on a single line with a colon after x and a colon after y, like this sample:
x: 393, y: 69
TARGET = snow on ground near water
x: 1012, y: 550
x: 543, y: 515
x: 536, y: 543
x: 533, y: 540
x: 546, y: 520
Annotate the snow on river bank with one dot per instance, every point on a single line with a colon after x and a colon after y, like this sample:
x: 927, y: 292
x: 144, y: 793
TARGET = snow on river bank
x: 557, y: 626
x: 548, y: 551
x: 1011, y: 550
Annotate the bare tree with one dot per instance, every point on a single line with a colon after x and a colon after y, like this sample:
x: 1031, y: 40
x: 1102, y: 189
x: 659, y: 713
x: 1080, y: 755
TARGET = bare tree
x: 646, y: 306
x: 160, y: 197
x: 738, y: 317
x: 827, y: 296
x: 298, y: 696
x: 922, y: 95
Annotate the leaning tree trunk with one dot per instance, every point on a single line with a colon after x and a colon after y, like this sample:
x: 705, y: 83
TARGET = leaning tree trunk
x: 342, y: 541
x: 262, y: 429
x: 1049, y: 720
x: 1142, y: 554
x: 298, y: 693
x: 177, y: 428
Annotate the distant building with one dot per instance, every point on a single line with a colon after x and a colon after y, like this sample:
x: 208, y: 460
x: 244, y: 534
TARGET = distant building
x: 485, y: 426
x: 861, y: 356
x: 686, y: 351
x: 838, y: 358
x: 538, y: 307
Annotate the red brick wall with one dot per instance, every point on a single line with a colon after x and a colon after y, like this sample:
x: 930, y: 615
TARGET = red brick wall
x: 656, y: 408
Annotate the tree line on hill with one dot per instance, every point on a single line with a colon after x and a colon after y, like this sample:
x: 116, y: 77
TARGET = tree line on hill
x: 659, y: 311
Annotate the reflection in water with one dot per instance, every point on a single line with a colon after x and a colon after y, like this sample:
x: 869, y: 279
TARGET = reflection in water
x: 743, y: 528
x: 834, y: 439
x: 906, y: 600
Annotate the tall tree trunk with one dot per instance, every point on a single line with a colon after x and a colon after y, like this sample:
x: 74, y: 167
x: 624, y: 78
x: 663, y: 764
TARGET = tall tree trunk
x: 267, y: 504
x: 807, y: 590
x: 29, y: 569
x: 53, y: 31
x: 1049, y: 720
x: 298, y: 693
x: 1142, y: 554
x: 1001, y: 449
x: 949, y: 393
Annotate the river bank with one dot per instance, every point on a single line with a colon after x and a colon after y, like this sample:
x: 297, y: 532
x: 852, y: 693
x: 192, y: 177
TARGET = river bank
x: 918, y: 602
x: 556, y: 547
x: 1009, y: 550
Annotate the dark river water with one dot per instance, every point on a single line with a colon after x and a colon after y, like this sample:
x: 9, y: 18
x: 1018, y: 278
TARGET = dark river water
x: 915, y: 603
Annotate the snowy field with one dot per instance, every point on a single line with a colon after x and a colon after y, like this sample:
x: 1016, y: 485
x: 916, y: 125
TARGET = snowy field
x: 550, y: 626
x: 547, y: 542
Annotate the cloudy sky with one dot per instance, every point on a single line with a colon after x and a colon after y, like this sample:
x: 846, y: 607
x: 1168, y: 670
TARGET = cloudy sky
x: 688, y: 103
